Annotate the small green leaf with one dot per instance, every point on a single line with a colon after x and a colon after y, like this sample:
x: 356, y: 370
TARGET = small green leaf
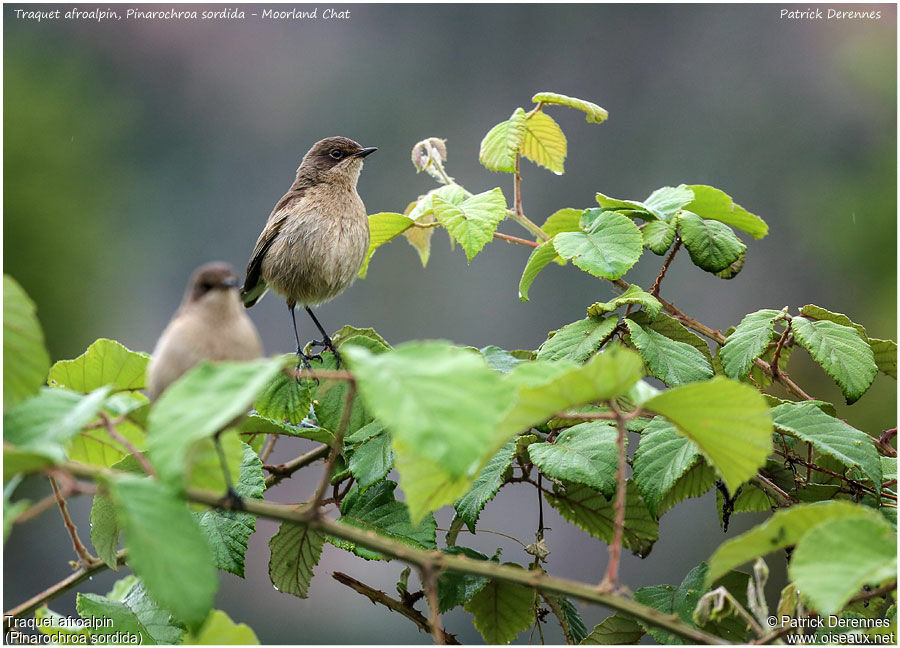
x: 595, y: 114
x: 563, y: 220
x: 294, y: 553
x: 616, y: 630
x: 747, y: 342
x: 670, y: 600
x: 537, y: 261
x: 712, y: 245
x: 285, y: 398
x: 632, y: 295
x: 472, y: 223
x: 544, y: 142
x: 123, y: 621
x: 658, y: 237
x: 842, y: 353
x: 25, y: 358
x: 502, y: 610
x: 256, y: 424
x: 220, y: 630
x: 577, y: 341
x: 832, y: 562
x: 729, y: 422
x: 885, y: 352
x: 662, y: 458
x: 672, y: 329
x: 373, y: 458
x: 668, y: 201
x: 106, y: 362
x: 383, y: 227
x: 105, y: 530
x: 695, y: 482
x: 814, y: 312
x: 583, y: 454
x: 627, y: 207
x: 675, y: 363
x: 711, y: 203
x: 11, y: 511
x: 166, y: 547
x: 500, y: 359
x: 501, y: 144
x: 568, y: 616
x: 486, y: 485
x: 607, y: 247
x: 456, y: 588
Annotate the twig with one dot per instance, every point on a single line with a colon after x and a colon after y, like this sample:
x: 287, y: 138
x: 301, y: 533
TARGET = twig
x: 875, y: 593
x: 84, y: 556
x: 380, y: 598
x: 429, y: 584
x: 279, y: 472
x: 518, y: 212
x: 336, y: 445
x: 611, y: 579
x: 852, y: 482
x: 772, y: 490
x: 114, y: 434
x: 268, y: 448
x: 320, y: 374
x: 515, y: 239
x: 665, y: 267
x: 883, y: 443
x: 778, y: 346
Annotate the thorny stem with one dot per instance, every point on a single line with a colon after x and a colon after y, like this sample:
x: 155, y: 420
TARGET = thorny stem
x: 429, y: 584
x: 84, y: 556
x: 610, y: 581
x: 114, y: 434
x: 336, y: 445
x: 665, y: 267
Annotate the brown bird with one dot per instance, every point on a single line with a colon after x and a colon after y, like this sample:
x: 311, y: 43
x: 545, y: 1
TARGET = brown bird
x: 316, y: 237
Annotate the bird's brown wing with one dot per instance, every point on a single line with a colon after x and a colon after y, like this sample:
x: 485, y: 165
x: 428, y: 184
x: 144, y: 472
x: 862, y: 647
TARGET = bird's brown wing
x: 254, y: 284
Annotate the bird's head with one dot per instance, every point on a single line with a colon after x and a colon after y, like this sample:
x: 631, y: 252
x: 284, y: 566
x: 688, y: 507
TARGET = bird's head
x: 213, y: 283
x: 334, y: 159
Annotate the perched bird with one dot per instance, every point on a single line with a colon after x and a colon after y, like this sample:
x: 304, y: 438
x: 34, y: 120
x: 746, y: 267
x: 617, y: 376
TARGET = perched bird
x: 316, y: 237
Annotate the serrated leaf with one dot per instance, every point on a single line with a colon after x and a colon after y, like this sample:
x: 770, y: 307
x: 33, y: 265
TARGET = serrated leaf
x: 162, y: 626
x: 673, y: 362
x: 616, y: 630
x: 256, y: 424
x: 671, y: 600
x: 105, y: 530
x: 373, y: 458
x: 830, y: 436
x: 123, y: 620
x: 711, y: 203
x: 383, y: 227
x: 294, y: 552
x: 658, y: 237
x: 544, y: 142
x: 786, y: 527
x: 750, y: 499
x: 583, y: 454
x: 502, y: 610
x: 25, y: 358
x: 729, y: 422
x: 577, y: 341
x: 885, y: 353
x: 456, y: 588
x: 632, y: 295
x: 501, y: 144
x: 840, y: 351
x: 627, y: 207
x: 106, y: 362
x: 672, y: 329
x: 712, y: 245
x: 537, y: 261
x: 563, y: 220
x: 747, y: 342
x: 733, y: 268
x: 452, y: 193
x: 832, y: 562
x: 472, y: 223
x: 220, y: 630
x: 285, y: 398
x: 814, y: 312
x: 595, y: 114
x: 166, y: 548
x: 568, y: 616
x: 662, y: 458
x: 665, y: 202
x: 607, y: 247
x: 486, y: 485
x: 695, y: 482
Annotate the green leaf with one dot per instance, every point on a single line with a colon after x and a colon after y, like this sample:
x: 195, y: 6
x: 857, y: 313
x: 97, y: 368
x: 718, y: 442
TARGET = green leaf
x: 658, y: 237
x: 842, y: 353
x: 662, y: 458
x: 427, y: 484
x: 501, y: 144
x: 220, y: 630
x: 22, y: 462
x: 229, y: 531
x: 383, y: 227
x: 25, y: 358
x: 577, y: 341
x: 616, y: 630
x: 285, y: 398
x: 814, y: 312
x: 456, y: 588
x: 105, y: 530
x: 11, y: 510
x: 256, y: 424
x: 627, y: 207
x: 786, y: 527
x: 537, y: 261
x: 294, y: 553
x: 423, y: 207
x: 61, y: 628
x: 609, y: 245
x: 124, y: 621
x: 499, y: 359
x: 162, y: 626
x: 673, y: 362
x: 830, y: 436
x: 472, y: 223
x: 166, y: 548
x: 698, y: 479
x: 595, y: 114
x: 835, y: 559
x: 670, y: 600
x: 590, y: 510
x: 502, y: 610
x: 885, y: 352
x: 563, y: 220
x: 376, y: 509
x: 198, y: 405
x: 544, y: 142
x: 711, y: 203
x: 668, y: 201
x: 632, y: 295
x: 44, y: 422
x: 486, y: 485
x: 712, y: 245
x: 373, y: 458
x: 672, y: 329
x: 568, y: 616
x: 584, y: 454
x: 96, y: 447
x: 106, y: 362
x: 729, y: 422
x: 747, y: 342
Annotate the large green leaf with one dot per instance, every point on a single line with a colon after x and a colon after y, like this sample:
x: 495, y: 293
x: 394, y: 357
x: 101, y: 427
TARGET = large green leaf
x: 673, y: 362
x: 544, y: 142
x: 118, y: 619
x: 502, y: 610
x: 577, y: 341
x: 501, y: 144
x: 220, y: 630
x: 616, y: 630
x: 607, y: 247
x: 814, y: 312
x: 25, y: 358
x: 835, y: 559
x: 294, y: 553
x: 632, y: 295
x: 106, y: 362
x: 668, y: 201
x: 712, y: 245
x: 747, y: 342
x: 662, y: 458
x: 95, y: 446
x: 841, y: 351
x: 711, y: 203
x: 658, y: 237
x: 285, y: 398
x: 486, y: 485
x: 830, y: 436
x: 729, y: 422
x: 595, y: 114
x: 537, y: 261
x: 472, y: 222
x: 162, y: 626
x: 383, y: 227
x: 166, y: 547
x: 583, y: 454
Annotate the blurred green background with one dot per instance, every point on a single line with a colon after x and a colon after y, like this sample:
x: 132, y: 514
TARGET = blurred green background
x: 134, y: 151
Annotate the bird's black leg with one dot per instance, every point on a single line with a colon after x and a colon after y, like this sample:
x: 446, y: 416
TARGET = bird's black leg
x: 232, y: 500
x: 301, y: 357
x: 326, y: 341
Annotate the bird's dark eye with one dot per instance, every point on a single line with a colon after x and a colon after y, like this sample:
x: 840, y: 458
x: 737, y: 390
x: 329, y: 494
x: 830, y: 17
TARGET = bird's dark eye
x: 206, y: 286
x: 337, y: 154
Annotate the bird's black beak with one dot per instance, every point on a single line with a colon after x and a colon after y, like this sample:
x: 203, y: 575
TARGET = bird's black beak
x: 361, y: 153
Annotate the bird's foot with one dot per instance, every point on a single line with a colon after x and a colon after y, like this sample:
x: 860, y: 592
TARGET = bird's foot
x: 327, y: 345
x: 304, y: 362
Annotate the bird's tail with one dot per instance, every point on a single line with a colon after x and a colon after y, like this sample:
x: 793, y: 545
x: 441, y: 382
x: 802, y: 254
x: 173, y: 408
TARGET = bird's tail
x: 252, y: 294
